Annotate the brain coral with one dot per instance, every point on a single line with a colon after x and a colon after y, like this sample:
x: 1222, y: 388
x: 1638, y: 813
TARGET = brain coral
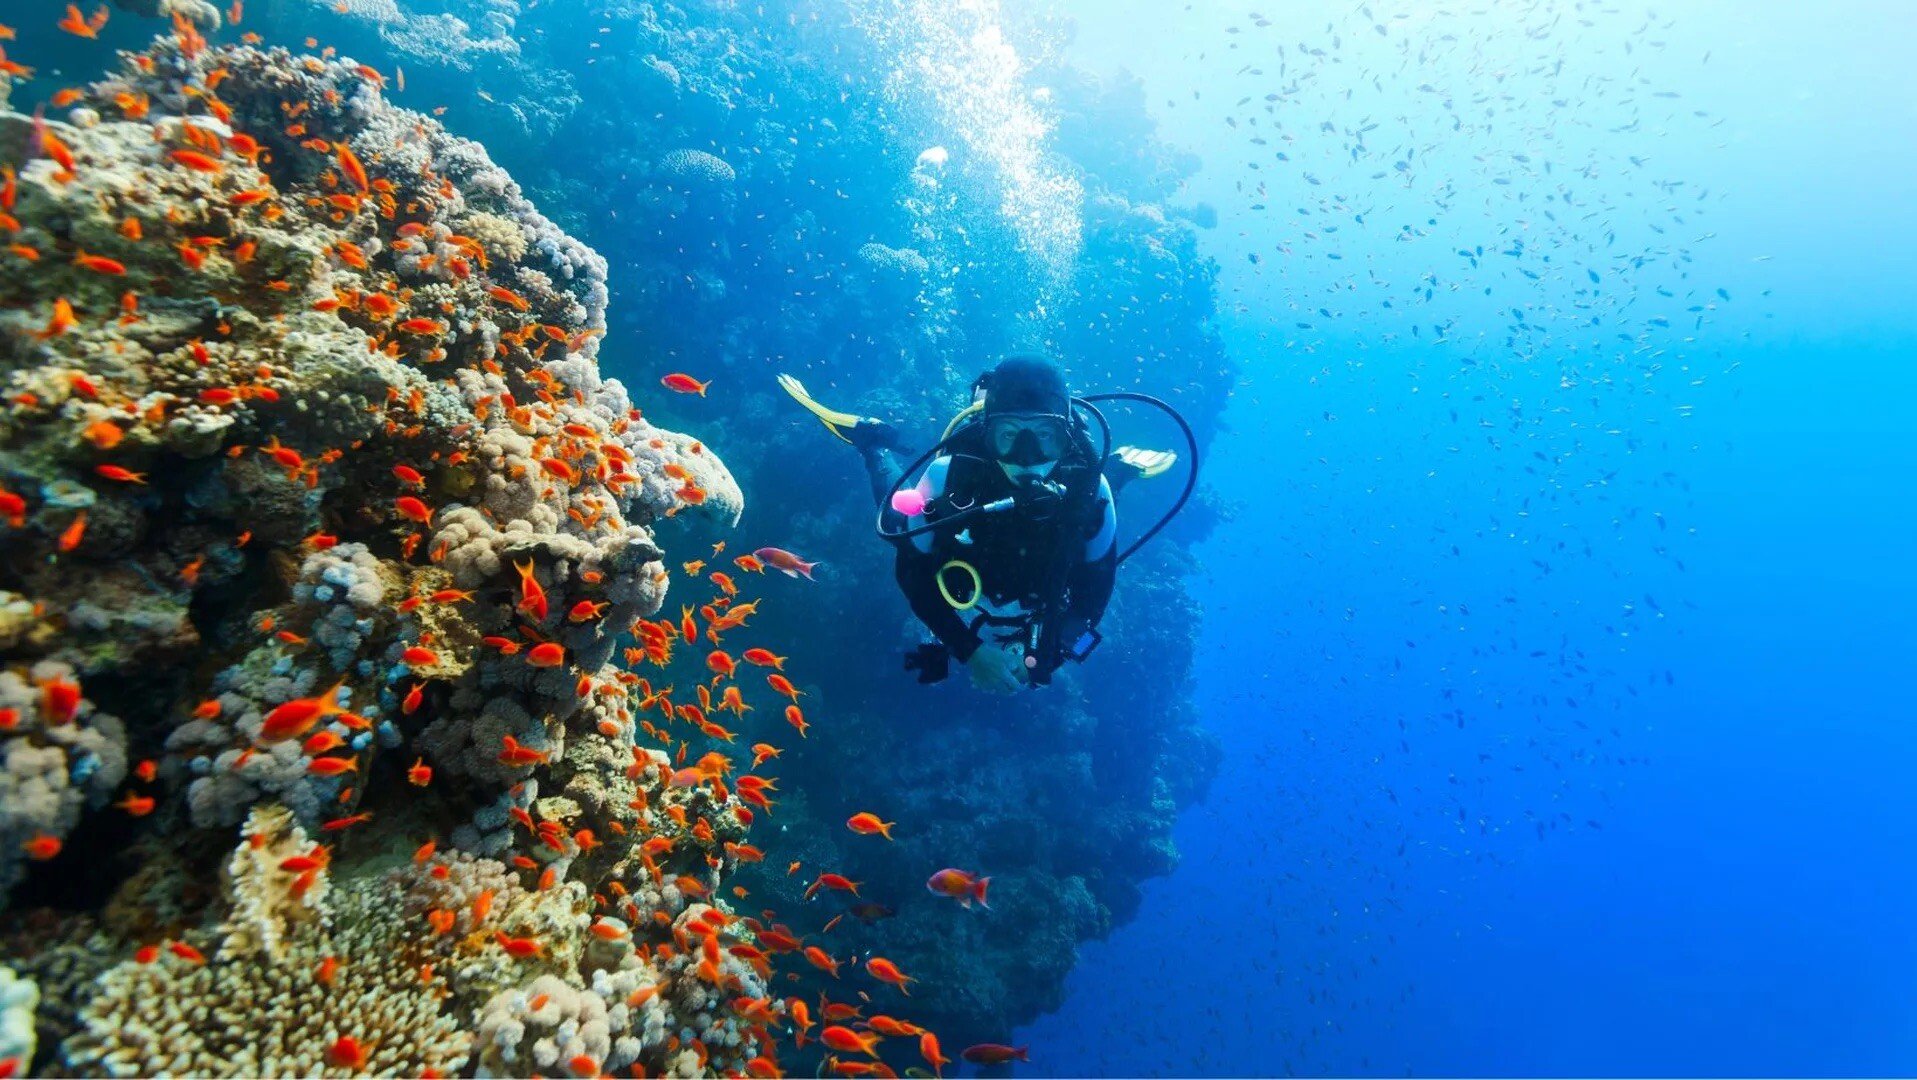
x: 696, y: 167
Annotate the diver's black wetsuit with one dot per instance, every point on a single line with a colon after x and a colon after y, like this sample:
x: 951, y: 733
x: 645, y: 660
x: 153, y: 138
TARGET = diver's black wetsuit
x: 1014, y: 553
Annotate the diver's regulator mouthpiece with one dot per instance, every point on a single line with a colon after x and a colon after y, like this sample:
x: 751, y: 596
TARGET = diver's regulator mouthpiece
x: 1034, y: 492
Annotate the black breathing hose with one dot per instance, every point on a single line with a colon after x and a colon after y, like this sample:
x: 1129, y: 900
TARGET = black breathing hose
x: 1191, y: 477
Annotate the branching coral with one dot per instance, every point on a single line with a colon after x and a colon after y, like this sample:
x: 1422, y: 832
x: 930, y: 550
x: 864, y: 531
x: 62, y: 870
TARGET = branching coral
x: 292, y: 977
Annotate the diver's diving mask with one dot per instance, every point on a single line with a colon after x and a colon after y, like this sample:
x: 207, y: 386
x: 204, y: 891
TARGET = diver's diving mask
x: 1028, y: 446
x: 1027, y: 438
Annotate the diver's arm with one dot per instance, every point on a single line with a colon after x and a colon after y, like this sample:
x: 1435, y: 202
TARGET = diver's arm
x: 918, y: 579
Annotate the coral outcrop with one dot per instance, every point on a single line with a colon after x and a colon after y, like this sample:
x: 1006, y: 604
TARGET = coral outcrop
x: 763, y: 217
x: 315, y: 504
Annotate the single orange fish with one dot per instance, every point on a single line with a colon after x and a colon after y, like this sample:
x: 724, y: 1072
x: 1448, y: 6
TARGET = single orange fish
x: 847, y: 1041
x: 136, y: 805
x: 42, y: 847
x: 297, y: 717
x: 515, y: 753
x: 350, y: 167
x: 959, y: 885
x: 59, y: 322
x: 532, y: 598
x: 887, y: 972
x: 684, y: 384
x: 195, y: 160
x: 99, y: 264
x: 330, y: 766
x: 347, y: 1053
x: 867, y: 824
x: 70, y: 538
x: 116, y: 473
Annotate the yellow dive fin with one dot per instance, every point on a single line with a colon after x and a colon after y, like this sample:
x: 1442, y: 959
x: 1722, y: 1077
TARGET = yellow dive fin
x: 833, y: 419
x: 1146, y: 463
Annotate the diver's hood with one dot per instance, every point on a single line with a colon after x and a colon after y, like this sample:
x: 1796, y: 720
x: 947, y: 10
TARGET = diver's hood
x: 1026, y: 384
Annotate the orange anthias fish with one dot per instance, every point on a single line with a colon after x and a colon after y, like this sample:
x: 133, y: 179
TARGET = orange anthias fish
x: 59, y: 322
x: 847, y: 1041
x: 82, y: 27
x: 350, y: 167
x: 136, y: 805
x: 781, y: 559
x: 42, y: 847
x: 99, y: 264
x: 684, y: 384
x: 194, y: 160
x: 959, y: 885
x: 832, y: 881
x: 532, y: 598
x: 866, y: 824
x: 514, y: 753
x: 346, y: 1053
x: 994, y: 1054
x: 886, y: 971
x: 295, y: 718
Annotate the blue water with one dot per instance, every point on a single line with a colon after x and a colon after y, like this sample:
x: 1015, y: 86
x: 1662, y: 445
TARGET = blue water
x: 1727, y: 894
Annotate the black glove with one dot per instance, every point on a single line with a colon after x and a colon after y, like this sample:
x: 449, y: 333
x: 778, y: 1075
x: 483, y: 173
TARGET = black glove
x: 933, y: 662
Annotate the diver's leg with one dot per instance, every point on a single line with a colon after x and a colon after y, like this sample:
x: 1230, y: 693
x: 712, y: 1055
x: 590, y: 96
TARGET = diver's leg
x: 884, y: 467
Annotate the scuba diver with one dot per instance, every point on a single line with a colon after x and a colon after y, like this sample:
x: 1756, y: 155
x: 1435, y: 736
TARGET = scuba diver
x: 1007, y: 528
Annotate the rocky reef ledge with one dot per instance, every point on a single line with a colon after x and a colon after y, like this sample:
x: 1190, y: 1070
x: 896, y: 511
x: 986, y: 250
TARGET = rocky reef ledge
x: 319, y: 531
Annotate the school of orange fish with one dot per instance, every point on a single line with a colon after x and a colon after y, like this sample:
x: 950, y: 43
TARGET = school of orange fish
x: 402, y: 327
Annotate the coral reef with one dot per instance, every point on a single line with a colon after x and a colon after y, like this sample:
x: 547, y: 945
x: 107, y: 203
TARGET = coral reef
x: 314, y: 502
x: 762, y: 217
x: 886, y: 236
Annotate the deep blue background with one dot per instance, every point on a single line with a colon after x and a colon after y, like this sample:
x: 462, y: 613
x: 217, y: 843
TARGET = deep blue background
x: 1744, y: 906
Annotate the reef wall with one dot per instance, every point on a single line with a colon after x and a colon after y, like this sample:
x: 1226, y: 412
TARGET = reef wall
x: 816, y: 188
x: 320, y: 535
x: 771, y: 194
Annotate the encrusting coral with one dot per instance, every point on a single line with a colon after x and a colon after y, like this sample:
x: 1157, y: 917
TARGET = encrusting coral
x: 311, y: 490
